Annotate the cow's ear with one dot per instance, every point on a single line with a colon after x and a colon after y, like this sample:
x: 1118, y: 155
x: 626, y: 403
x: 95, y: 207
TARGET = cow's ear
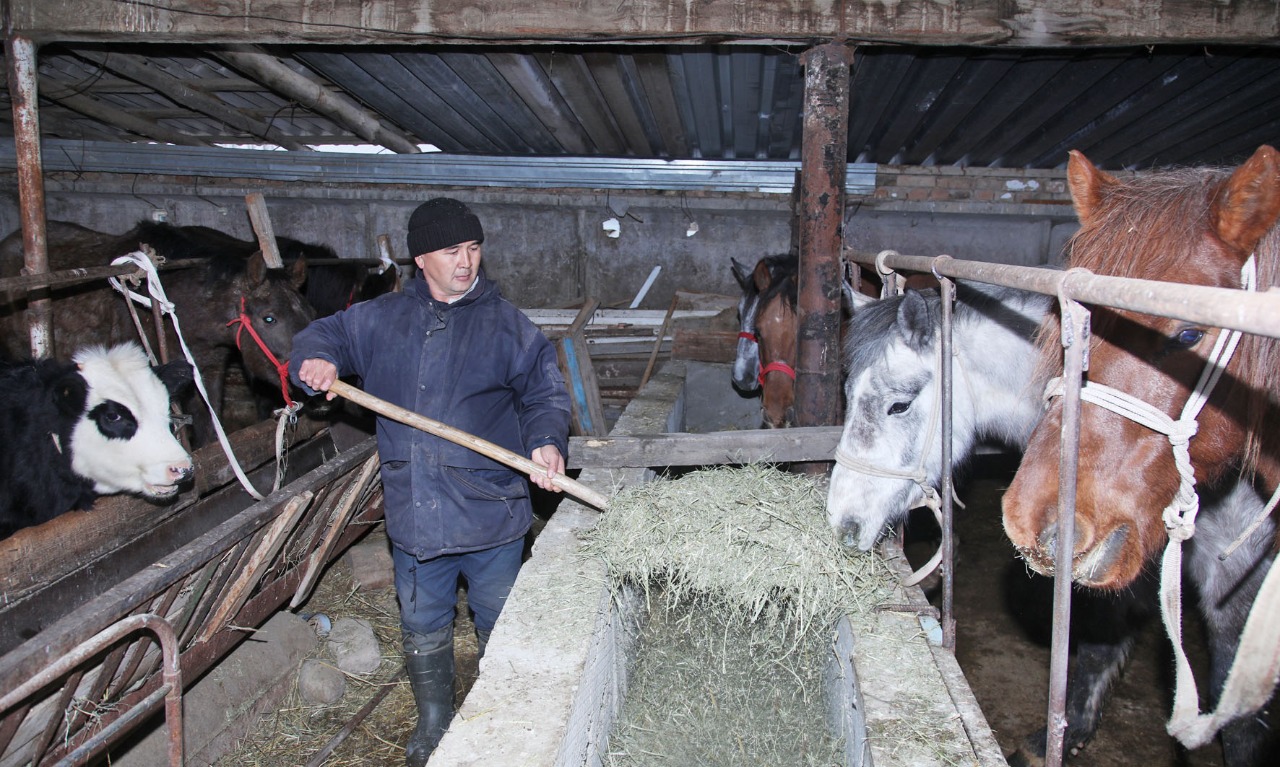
x: 175, y: 375
x: 70, y: 393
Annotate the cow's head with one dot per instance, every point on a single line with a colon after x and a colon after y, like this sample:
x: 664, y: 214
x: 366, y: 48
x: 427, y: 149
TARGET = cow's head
x: 122, y: 440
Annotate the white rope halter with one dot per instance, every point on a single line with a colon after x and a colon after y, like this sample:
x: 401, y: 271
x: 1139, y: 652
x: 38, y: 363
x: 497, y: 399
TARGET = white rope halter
x: 156, y: 292
x: 1256, y: 667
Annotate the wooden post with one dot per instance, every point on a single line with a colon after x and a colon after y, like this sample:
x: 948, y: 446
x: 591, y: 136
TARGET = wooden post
x: 824, y: 160
x: 24, y: 95
x: 262, y: 227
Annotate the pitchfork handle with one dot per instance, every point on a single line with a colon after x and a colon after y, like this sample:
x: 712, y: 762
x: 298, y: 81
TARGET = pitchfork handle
x: 496, y: 452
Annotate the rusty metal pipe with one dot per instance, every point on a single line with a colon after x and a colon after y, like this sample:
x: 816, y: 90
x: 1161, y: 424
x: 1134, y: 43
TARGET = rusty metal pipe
x: 823, y: 167
x: 170, y: 690
x: 947, y: 383
x: 1075, y: 324
x: 1249, y: 312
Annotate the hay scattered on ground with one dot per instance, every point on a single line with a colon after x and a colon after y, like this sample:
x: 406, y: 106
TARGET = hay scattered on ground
x: 296, y: 732
x: 744, y: 581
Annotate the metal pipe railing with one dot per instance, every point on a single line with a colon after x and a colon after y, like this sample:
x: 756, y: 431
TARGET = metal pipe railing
x: 170, y: 691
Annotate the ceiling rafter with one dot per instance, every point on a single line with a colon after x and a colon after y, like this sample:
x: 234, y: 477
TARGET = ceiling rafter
x: 181, y: 93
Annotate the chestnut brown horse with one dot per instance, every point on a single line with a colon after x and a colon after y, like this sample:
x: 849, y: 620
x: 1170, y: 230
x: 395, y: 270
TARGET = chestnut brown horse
x: 1195, y: 226
x: 767, y: 335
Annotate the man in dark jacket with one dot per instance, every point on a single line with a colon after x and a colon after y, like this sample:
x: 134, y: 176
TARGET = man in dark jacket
x: 451, y: 348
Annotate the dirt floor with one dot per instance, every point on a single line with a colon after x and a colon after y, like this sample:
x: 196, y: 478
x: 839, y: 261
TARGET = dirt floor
x: 1008, y: 670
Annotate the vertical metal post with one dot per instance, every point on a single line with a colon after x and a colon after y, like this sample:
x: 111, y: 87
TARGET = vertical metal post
x: 23, y: 92
x: 946, y: 490
x: 824, y: 158
x: 1075, y: 339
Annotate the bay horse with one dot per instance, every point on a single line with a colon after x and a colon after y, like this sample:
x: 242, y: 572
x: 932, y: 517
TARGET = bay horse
x: 890, y: 457
x: 229, y: 292
x: 1197, y: 226
x: 766, y: 310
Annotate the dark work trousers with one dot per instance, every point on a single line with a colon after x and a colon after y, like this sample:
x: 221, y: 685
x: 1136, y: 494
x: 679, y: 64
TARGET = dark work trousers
x: 428, y: 590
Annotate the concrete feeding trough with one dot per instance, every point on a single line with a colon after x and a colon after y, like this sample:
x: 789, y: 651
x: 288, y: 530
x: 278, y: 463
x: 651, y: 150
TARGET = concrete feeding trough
x: 554, y: 677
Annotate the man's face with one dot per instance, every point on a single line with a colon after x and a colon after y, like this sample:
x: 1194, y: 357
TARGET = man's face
x: 450, y: 271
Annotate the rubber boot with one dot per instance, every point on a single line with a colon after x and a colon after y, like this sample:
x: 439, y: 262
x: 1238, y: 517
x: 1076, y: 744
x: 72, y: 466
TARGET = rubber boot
x: 428, y: 659
x: 482, y: 640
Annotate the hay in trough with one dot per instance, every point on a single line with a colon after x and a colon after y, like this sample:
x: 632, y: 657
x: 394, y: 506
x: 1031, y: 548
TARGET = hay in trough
x: 744, y: 581
x: 750, y: 542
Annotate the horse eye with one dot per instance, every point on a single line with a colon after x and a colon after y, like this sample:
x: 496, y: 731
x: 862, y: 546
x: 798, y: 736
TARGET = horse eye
x: 899, y: 407
x: 269, y: 319
x: 1186, y: 338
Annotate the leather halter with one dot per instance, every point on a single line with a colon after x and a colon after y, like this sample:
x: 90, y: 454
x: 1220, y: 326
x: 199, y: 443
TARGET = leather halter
x: 282, y: 368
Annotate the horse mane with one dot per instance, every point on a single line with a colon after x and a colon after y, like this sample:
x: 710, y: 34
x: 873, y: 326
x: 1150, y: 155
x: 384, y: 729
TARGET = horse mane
x: 868, y: 336
x: 1142, y: 229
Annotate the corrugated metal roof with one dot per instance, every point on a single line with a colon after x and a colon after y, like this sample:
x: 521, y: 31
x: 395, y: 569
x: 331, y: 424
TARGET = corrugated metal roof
x: 1126, y: 108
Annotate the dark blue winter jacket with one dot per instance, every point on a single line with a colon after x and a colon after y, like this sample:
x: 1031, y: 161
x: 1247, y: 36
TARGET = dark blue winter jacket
x: 478, y: 365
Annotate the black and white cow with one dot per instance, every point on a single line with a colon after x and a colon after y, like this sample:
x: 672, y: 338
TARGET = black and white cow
x: 71, y: 431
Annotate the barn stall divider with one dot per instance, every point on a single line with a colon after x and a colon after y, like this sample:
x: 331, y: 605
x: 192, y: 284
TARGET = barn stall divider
x: 199, y: 575
x: 1230, y: 309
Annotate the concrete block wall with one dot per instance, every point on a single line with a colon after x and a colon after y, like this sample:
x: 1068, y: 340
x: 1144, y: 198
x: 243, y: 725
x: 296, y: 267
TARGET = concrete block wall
x: 550, y: 248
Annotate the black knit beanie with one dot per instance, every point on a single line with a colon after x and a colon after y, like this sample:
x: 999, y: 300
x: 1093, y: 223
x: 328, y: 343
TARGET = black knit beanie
x: 441, y: 223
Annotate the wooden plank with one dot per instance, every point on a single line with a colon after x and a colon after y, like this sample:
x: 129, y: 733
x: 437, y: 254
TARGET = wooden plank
x: 587, y: 416
x: 337, y: 523
x: 263, y: 557
x: 257, y: 205
x: 809, y: 443
x: 705, y: 345
x: 1046, y: 24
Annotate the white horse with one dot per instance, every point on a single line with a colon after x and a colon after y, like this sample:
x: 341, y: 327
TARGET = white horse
x: 890, y: 453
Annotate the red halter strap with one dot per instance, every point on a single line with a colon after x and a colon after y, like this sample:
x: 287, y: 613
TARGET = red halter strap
x: 282, y: 369
x: 777, y: 366
x: 748, y: 336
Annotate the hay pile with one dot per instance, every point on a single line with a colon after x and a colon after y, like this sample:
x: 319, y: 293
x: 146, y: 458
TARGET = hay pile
x: 750, y: 542
x: 744, y: 581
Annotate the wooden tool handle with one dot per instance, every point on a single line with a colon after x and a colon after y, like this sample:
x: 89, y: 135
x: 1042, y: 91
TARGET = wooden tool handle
x: 484, y: 447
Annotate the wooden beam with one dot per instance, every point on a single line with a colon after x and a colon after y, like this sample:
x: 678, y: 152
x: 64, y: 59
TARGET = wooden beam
x: 805, y: 443
x: 1049, y: 23
x: 136, y: 68
x: 312, y: 95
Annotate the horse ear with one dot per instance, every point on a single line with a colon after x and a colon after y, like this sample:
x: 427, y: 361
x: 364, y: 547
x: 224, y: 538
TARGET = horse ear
x: 914, y: 320
x: 256, y: 269
x: 741, y: 273
x: 1250, y: 204
x: 298, y: 272
x: 1086, y: 183
x: 762, y: 276
x: 853, y: 300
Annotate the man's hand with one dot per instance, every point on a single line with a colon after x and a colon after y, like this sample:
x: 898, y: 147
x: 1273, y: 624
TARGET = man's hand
x: 547, y: 456
x: 319, y: 375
